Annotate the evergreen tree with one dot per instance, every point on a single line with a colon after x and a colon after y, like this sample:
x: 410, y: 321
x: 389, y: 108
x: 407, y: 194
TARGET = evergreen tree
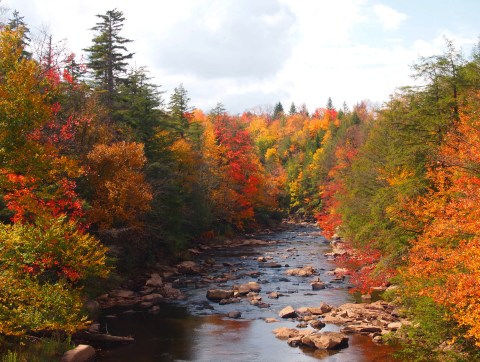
x: 179, y: 110
x: 218, y: 111
x: 293, y: 109
x: 330, y: 104
x: 108, y: 55
x: 278, y: 111
x: 139, y: 104
x: 17, y: 23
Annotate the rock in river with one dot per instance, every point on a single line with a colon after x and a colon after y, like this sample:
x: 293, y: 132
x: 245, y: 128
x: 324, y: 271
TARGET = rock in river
x: 155, y: 281
x: 218, y: 294
x: 306, y: 271
x: 287, y: 312
x: 326, y: 340
x: 234, y: 314
x: 188, y: 267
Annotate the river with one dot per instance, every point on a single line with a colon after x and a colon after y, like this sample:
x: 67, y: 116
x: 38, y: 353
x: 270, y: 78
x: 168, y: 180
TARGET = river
x: 197, y: 330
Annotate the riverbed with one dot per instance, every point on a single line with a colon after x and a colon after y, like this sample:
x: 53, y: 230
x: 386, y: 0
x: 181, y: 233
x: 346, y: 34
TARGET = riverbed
x: 196, y: 329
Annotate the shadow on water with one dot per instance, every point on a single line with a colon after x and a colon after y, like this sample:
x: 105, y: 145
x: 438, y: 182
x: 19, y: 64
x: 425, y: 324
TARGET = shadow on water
x: 195, y: 330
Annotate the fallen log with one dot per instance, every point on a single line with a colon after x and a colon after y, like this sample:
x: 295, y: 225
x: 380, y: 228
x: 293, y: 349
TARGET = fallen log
x: 103, y: 339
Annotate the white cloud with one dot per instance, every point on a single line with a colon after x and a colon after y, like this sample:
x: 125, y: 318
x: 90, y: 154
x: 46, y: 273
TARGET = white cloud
x: 388, y: 17
x: 248, y: 53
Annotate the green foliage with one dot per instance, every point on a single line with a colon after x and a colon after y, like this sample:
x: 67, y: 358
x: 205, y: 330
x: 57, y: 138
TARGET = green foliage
x: 42, y: 268
x: 432, y: 336
x: 139, y: 103
x: 108, y: 55
x: 179, y: 110
x: 30, y: 349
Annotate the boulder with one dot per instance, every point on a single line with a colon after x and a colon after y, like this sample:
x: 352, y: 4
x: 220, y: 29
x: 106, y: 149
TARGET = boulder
x: 295, y: 341
x: 155, y: 281
x: 188, y: 267
x: 317, y: 324
x: 234, y: 314
x: 152, y: 298
x: 273, y: 295
x: 322, y: 309
x: 306, y: 271
x: 317, y: 285
x: 326, y: 340
x: 249, y: 287
x: 81, y: 353
x: 285, y: 332
x: 122, y: 293
x: 218, y: 294
x: 287, y: 312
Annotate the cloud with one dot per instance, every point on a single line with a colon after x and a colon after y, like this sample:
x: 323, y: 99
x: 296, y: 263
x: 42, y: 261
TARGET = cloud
x: 229, y: 39
x: 388, y: 17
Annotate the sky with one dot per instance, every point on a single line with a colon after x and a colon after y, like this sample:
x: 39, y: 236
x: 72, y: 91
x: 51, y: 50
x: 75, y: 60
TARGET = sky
x: 251, y: 54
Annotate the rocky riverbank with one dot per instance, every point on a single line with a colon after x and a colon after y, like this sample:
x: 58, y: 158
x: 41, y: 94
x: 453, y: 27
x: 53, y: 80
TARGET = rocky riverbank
x: 255, y: 279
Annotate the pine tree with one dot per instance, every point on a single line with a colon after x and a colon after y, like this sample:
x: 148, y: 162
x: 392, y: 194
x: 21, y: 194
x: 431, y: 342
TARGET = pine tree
x: 16, y: 23
x: 330, y: 104
x: 278, y: 111
x: 293, y: 109
x: 139, y: 104
x: 108, y: 55
x: 179, y: 109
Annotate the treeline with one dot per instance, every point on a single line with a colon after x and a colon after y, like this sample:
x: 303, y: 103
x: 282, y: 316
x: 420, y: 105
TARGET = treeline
x: 402, y: 187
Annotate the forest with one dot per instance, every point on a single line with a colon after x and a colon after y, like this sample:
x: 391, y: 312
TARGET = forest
x: 100, y: 176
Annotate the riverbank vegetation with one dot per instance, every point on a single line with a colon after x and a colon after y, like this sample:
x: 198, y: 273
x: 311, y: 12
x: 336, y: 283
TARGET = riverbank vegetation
x: 100, y: 173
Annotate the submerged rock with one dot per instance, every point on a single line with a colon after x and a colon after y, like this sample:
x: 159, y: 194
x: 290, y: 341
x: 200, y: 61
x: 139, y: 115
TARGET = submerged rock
x: 271, y: 264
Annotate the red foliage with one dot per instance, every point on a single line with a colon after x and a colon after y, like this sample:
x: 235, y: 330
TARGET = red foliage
x: 362, y: 266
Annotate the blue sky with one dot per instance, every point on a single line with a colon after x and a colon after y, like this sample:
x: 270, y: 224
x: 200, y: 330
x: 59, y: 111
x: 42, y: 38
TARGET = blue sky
x: 250, y: 54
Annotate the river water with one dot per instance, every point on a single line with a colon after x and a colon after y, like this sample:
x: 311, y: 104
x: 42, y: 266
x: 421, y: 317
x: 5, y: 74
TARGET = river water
x: 198, y: 330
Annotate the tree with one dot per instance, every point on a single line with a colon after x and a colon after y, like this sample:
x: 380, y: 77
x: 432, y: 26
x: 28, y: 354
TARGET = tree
x: 179, y: 110
x: 45, y: 255
x: 16, y: 23
x: 121, y: 194
x: 293, y: 109
x: 139, y: 105
x: 108, y: 55
x: 444, y: 261
x: 278, y: 111
x: 330, y: 104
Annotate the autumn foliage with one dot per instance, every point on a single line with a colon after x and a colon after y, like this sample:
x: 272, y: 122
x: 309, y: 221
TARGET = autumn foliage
x: 399, y: 183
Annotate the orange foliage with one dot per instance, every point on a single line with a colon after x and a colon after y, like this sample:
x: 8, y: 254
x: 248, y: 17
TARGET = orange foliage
x: 444, y: 262
x: 121, y: 193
